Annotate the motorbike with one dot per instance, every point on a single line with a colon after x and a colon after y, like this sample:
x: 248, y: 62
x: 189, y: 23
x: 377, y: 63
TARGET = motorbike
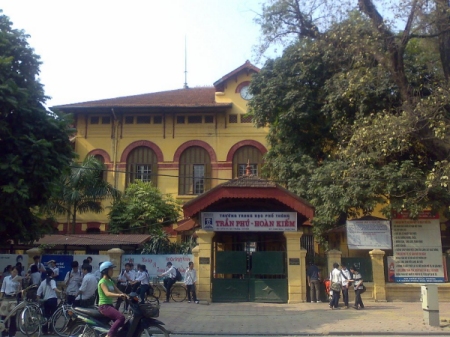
x: 142, y: 322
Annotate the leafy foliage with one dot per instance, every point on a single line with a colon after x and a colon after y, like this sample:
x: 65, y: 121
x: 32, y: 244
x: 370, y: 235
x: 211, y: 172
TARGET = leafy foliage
x: 34, y: 143
x: 142, y: 208
x: 358, y: 113
x: 160, y: 244
x: 80, y: 190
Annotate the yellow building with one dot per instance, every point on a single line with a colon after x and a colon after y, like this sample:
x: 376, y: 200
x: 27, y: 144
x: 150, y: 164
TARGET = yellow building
x: 184, y: 141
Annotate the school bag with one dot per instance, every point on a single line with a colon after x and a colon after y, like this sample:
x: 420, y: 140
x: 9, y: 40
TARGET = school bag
x: 178, y: 277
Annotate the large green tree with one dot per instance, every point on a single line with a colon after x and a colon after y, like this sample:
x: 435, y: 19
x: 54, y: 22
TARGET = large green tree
x: 34, y: 143
x: 358, y: 111
x: 80, y: 190
x: 142, y: 209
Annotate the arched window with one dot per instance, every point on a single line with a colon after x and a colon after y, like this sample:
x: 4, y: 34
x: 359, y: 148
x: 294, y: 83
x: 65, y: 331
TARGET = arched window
x: 243, y: 156
x: 142, y: 164
x: 102, y: 174
x: 194, y: 171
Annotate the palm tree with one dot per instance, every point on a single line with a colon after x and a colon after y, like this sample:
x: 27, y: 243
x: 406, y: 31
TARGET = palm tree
x: 81, y: 190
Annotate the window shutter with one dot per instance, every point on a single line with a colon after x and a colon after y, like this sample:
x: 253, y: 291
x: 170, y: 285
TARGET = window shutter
x: 130, y: 173
x: 181, y: 179
x: 208, y: 175
x: 154, y: 178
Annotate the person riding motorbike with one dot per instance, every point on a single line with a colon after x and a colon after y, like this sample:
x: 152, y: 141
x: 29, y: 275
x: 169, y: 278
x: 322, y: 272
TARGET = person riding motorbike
x: 107, y: 290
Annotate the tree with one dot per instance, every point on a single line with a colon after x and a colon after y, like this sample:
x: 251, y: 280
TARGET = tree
x: 358, y: 113
x: 142, y: 209
x: 34, y: 143
x: 80, y: 190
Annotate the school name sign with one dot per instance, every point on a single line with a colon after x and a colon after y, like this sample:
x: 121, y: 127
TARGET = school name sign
x: 249, y: 221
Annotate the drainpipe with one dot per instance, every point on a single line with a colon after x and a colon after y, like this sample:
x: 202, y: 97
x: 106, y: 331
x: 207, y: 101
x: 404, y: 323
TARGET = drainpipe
x: 115, y: 140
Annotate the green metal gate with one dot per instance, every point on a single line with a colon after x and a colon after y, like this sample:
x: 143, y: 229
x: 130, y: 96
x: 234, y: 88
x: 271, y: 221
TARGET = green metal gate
x: 258, y: 276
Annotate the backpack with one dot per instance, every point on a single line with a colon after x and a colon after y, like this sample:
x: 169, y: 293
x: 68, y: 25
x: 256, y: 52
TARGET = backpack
x: 178, y: 277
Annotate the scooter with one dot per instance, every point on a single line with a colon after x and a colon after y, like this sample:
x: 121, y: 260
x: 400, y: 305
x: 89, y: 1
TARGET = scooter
x: 89, y: 322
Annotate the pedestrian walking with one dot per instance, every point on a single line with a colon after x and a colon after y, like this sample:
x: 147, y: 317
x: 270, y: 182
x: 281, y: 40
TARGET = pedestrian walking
x: 190, y: 277
x: 358, y: 287
x: 346, y: 283
x: 336, y: 285
x: 313, y: 276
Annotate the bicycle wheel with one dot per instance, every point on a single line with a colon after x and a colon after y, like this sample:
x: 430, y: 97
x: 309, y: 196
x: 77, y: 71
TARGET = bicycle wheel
x: 178, y: 293
x: 59, y: 321
x: 152, y: 299
x: 156, y: 292
x: 154, y: 330
x: 31, y: 320
x: 82, y: 331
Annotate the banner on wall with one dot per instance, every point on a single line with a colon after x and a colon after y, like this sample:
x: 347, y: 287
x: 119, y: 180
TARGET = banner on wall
x: 417, y: 249
x: 369, y: 234
x: 12, y: 259
x: 156, y: 264
x: 249, y: 221
x: 63, y: 262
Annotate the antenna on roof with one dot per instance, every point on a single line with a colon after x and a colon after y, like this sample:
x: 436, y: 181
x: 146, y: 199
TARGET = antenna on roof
x: 185, y: 86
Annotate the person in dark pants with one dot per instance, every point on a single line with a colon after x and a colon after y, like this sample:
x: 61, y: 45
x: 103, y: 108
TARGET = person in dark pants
x: 346, y: 282
x: 336, y: 285
x: 313, y: 276
x: 10, y: 288
x: 358, y: 287
x: 190, y: 277
x: 47, y: 291
x: 170, y: 274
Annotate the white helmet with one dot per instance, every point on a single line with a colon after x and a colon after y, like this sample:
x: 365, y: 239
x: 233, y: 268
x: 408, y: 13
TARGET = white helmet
x: 106, y: 265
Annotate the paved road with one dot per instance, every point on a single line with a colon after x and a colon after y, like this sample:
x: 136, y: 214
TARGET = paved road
x: 305, y: 319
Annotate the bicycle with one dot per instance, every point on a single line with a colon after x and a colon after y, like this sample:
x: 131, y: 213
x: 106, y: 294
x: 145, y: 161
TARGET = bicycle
x: 178, y: 292
x: 149, y: 295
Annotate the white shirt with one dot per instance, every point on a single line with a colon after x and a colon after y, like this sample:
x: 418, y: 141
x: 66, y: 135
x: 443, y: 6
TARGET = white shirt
x: 347, y: 274
x: 55, y: 271
x: 88, y: 286
x: 336, y: 276
x: 10, y: 287
x: 171, y: 272
x: 98, y: 275
x: 190, y: 276
x: 126, y: 276
x: 143, y: 277
x: 73, y: 281
x: 36, y: 278
x: 39, y: 266
x: 47, y: 291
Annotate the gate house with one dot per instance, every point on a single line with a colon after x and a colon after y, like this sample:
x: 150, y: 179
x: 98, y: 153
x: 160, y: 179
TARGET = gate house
x: 249, y: 242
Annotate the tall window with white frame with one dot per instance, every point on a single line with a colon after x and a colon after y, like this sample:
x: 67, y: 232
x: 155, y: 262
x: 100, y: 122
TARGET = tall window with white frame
x: 142, y: 164
x: 243, y: 156
x: 194, y: 171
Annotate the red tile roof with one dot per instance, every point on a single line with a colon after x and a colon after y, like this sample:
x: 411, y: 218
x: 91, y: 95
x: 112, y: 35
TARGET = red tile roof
x: 93, y: 239
x: 185, y: 225
x: 247, y: 67
x: 202, y: 97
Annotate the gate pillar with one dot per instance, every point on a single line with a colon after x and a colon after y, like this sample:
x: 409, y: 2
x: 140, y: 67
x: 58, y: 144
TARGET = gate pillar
x: 379, y: 281
x: 296, y: 269
x: 333, y: 256
x: 203, y: 260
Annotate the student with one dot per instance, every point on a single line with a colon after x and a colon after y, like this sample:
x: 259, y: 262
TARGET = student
x: 190, y: 277
x: 171, y: 274
x: 144, y: 279
x: 73, y: 282
x: 313, y: 277
x: 336, y: 285
x: 125, y: 281
x: 107, y: 291
x: 358, y: 287
x: 52, y: 265
x: 87, y: 292
x: 346, y: 282
x: 47, y: 291
x: 10, y: 289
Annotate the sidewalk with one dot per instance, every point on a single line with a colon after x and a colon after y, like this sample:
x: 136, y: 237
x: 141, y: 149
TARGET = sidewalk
x: 300, y: 319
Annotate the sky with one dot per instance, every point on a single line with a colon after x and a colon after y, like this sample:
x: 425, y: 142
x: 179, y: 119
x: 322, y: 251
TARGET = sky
x: 100, y: 49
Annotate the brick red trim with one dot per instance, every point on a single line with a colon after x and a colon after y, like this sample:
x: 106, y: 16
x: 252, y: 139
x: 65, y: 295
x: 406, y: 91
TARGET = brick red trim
x: 102, y: 153
x: 206, y: 146
x: 242, y: 143
x: 239, y: 87
x: 146, y: 143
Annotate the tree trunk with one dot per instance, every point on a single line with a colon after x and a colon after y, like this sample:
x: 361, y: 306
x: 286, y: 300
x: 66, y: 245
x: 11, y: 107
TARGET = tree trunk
x: 443, y: 25
x: 74, y: 218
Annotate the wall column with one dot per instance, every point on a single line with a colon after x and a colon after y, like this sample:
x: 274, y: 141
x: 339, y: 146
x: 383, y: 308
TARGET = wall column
x: 115, y: 256
x: 379, y: 281
x: 333, y: 256
x: 203, y: 260
x: 296, y: 273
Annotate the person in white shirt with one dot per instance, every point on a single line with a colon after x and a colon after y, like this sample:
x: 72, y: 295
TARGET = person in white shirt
x: 52, y: 265
x: 190, y: 277
x: 125, y: 280
x: 73, y: 282
x: 358, y: 287
x: 47, y: 291
x: 171, y: 274
x: 346, y: 279
x: 336, y: 285
x: 87, y: 292
x: 11, y: 287
x: 144, y: 278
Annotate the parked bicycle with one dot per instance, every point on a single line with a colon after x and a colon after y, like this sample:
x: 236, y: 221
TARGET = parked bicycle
x: 141, y: 322
x: 178, y: 293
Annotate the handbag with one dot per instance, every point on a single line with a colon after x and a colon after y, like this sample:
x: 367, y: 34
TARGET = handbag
x: 363, y: 290
x: 336, y: 286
